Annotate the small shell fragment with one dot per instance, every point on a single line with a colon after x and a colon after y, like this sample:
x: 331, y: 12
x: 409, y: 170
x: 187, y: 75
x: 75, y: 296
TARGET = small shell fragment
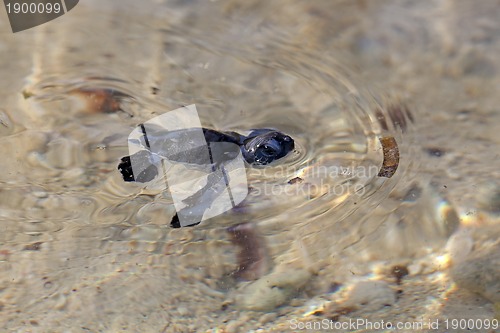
x: 391, y: 157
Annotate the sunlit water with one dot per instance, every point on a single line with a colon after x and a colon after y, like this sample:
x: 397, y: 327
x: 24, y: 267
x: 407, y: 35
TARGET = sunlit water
x: 90, y: 249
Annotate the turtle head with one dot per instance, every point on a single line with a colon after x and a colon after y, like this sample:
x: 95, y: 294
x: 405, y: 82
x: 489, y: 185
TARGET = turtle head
x: 262, y: 147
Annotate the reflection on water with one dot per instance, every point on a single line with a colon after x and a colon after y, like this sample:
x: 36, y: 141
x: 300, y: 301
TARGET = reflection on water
x: 81, y: 248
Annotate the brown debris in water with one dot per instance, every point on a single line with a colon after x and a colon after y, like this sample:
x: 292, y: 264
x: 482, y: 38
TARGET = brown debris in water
x: 33, y: 247
x: 399, y: 271
x: 252, y: 257
x: 99, y: 100
x: 391, y: 157
x: 295, y: 180
x: 27, y: 94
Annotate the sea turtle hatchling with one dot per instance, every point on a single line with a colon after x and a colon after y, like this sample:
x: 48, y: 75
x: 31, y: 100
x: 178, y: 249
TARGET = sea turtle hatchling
x: 259, y: 148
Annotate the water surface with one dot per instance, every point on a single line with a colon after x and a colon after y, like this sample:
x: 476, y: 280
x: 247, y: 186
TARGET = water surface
x: 84, y: 251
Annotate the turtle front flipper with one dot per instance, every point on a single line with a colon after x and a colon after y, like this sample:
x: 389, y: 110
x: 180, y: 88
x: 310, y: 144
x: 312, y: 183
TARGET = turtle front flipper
x: 145, y: 170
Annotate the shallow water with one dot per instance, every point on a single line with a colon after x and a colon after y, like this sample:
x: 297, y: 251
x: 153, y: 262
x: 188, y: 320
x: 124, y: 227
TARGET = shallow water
x: 84, y: 251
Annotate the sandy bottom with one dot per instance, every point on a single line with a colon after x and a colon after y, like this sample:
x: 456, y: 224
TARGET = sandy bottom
x: 74, y: 269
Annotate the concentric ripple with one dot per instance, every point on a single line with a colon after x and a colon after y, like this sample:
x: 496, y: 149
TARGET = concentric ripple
x: 324, y: 194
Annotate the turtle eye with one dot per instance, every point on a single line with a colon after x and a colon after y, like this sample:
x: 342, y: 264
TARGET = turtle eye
x: 267, y: 151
